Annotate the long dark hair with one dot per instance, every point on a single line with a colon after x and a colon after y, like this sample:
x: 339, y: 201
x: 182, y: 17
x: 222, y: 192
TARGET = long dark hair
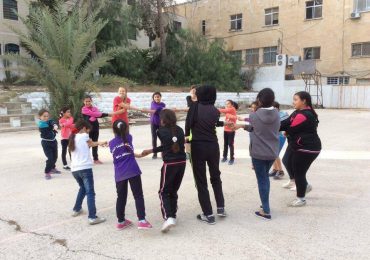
x: 80, y: 124
x: 62, y: 111
x: 233, y: 103
x: 121, y: 129
x: 303, y: 95
x: 169, y: 120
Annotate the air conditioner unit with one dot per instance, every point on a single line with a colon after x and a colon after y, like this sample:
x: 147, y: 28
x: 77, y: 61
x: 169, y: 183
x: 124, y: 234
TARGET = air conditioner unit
x: 355, y: 15
x: 281, y: 60
x: 293, y: 59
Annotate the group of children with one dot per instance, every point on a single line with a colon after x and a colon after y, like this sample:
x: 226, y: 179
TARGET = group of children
x: 201, y: 120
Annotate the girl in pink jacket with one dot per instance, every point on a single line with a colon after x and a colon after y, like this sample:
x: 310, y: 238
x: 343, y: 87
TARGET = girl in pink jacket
x: 66, y: 124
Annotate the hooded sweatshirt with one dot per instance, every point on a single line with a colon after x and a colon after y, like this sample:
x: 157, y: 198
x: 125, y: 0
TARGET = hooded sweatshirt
x: 264, y: 127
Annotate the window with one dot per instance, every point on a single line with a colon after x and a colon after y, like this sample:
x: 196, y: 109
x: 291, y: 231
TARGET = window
x: 343, y: 80
x: 203, y: 27
x: 272, y: 16
x: 236, y: 22
x: 176, y: 26
x: 362, y: 5
x: 9, y: 7
x: 11, y: 48
x: 364, y: 81
x: 312, y: 53
x: 150, y: 43
x: 269, y: 55
x: 131, y: 32
x: 236, y: 54
x: 361, y: 49
x: 252, y: 56
x: 314, y: 9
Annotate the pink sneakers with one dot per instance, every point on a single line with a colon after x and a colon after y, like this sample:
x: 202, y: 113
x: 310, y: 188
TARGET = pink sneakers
x: 144, y: 225
x: 123, y: 225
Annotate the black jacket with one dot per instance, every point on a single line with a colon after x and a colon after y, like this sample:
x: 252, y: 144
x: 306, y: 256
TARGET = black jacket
x: 302, y: 136
x: 167, y: 135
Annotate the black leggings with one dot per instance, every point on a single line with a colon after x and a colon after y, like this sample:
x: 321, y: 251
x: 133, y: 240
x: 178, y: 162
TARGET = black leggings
x: 64, y: 143
x: 297, y: 164
x: 229, y: 143
x: 203, y: 153
x: 94, y: 135
x: 137, y: 191
x: 154, y: 129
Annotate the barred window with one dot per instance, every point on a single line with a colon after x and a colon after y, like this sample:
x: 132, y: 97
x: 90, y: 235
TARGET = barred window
x: 312, y: 53
x: 12, y: 48
x: 252, y: 56
x: 10, y: 8
x: 361, y: 49
x: 236, y: 22
x: 338, y: 80
x: 362, y: 5
x: 269, y: 55
x: 272, y: 16
x: 314, y: 9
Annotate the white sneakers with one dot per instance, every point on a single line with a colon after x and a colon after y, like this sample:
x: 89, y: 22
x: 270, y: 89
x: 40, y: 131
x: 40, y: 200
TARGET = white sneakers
x: 308, y: 188
x: 297, y: 203
x: 168, y: 224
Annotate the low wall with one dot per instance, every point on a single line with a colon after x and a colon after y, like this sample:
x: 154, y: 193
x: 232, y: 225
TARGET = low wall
x: 104, y: 100
x: 333, y: 96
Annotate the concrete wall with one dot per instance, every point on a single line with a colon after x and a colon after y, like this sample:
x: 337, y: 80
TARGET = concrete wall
x: 104, y: 100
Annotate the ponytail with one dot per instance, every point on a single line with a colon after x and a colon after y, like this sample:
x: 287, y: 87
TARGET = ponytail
x: 121, y: 129
x: 169, y: 120
x: 78, y: 127
x: 62, y: 111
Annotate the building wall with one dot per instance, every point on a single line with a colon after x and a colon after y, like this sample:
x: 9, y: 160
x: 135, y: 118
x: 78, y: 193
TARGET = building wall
x: 335, y: 32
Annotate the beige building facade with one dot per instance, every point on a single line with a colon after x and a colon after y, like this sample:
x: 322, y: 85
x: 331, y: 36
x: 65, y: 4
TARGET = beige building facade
x: 333, y: 33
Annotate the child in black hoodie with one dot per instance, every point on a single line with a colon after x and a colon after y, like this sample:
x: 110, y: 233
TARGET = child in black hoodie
x: 174, y: 162
x: 202, y: 119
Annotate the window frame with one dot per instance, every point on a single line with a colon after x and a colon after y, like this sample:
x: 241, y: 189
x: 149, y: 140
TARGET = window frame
x: 176, y: 25
x: 366, y: 8
x: 237, y: 20
x: 313, y: 52
x: 338, y: 80
x: 314, y: 7
x: 252, y: 54
x: 130, y: 32
x: 271, y: 15
x: 8, y: 8
x: 6, y: 48
x: 203, y: 27
x: 272, y: 54
x: 361, y: 45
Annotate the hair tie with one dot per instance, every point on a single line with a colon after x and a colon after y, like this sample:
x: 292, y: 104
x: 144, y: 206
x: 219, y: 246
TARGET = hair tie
x: 75, y: 131
x: 119, y: 124
x: 174, y: 139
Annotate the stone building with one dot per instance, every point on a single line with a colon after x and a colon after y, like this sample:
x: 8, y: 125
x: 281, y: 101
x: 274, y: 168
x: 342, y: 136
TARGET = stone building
x: 335, y: 33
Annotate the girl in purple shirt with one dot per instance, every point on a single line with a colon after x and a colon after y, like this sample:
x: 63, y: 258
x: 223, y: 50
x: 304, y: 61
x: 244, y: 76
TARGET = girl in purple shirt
x: 126, y: 170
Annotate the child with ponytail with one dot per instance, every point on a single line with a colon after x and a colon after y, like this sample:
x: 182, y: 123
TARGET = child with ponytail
x: 127, y: 171
x: 174, y: 161
x: 66, y: 124
x: 81, y: 166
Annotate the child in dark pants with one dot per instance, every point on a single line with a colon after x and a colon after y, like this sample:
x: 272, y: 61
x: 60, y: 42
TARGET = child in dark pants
x: 48, y: 130
x: 174, y: 163
x: 127, y: 171
x: 66, y: 124
x: 201, y: 121
x: 229, y: 134
x: 156, y: 106
x: 91, y: 115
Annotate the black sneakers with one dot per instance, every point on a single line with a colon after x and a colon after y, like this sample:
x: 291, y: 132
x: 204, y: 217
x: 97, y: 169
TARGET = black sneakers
x: 208, y: 219
x: 279, y: 175
x: 221, y: 212
x: 273, y: 173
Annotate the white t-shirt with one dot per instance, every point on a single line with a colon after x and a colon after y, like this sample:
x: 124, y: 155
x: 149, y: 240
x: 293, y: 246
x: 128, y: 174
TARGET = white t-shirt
x: 81, y: 157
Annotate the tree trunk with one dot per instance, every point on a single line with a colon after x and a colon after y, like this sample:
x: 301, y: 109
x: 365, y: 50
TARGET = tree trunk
x: 162, y: 36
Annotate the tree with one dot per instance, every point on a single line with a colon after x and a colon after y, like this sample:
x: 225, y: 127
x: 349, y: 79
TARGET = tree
x: 60, y: 43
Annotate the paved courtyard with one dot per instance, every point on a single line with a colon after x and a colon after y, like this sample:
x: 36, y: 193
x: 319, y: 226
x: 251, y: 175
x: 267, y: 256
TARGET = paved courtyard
x: 35, y: 220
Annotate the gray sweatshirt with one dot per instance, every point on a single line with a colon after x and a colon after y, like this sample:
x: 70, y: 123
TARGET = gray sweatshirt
x: 264, y: 127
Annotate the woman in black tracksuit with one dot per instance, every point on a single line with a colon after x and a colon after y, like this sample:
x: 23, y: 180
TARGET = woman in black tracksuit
x: 201, y: 121
x: 304, y: 145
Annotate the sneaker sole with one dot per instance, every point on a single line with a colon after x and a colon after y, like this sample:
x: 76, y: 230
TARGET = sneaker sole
x: 222, y: 215
x: 296, y: 206
x: 144, y: 228
x: 209, y: 223
x: 165, y: 230
x: 120, y: 229
x: 260, y: 217
x: 92, y: 224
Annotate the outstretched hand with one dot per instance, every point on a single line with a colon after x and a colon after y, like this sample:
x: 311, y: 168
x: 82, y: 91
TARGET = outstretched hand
x: 146, y: 152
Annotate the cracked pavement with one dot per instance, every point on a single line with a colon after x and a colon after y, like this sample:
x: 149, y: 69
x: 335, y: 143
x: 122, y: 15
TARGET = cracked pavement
x: 35, y: 220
